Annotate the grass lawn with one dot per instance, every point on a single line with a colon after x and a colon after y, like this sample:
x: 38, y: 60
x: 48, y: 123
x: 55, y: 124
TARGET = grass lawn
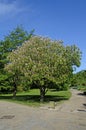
x: 82, y: 88
x: 32, y: 98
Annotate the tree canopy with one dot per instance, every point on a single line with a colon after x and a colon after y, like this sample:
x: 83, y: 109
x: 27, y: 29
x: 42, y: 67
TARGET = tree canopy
x: 10, y: 42
x: 44, y: 62
x: 81, y: 78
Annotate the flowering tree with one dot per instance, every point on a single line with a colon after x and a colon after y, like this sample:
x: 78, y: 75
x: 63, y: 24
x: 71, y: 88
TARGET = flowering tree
x: 43, y: 61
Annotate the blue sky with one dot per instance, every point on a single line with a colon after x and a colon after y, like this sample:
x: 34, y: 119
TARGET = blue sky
x: 58, y: 19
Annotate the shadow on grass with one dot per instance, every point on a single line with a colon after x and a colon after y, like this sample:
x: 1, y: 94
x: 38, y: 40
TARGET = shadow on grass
x: 33, y: 98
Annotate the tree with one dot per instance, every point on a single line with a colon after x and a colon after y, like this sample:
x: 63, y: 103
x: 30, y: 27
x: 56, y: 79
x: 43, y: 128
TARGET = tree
x: 11, y: 42
x: 43, y: 61
x: 73, y: 58
x: 81, y: 79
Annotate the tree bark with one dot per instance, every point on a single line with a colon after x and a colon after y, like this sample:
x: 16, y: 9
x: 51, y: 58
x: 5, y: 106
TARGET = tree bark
x: 15, y: 83
x: 14, y: 91
x: 42, y: 93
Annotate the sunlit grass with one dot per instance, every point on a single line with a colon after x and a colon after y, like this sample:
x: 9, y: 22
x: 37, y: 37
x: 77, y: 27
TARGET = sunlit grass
x: 32, y: 97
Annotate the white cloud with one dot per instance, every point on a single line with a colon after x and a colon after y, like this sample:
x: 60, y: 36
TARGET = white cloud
x: 9, y: 8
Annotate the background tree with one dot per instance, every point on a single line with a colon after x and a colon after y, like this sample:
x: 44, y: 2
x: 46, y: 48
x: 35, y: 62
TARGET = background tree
x: 10, y: 42
x: 81, y: 79
x: 44, y: 62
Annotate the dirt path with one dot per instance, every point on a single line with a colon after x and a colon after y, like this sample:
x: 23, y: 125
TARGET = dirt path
x: 71, y: 115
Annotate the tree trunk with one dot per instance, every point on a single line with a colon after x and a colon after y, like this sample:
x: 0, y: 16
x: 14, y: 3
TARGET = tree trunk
x: 42, y: 93
x: 15, y: 83
x: 14, y: 91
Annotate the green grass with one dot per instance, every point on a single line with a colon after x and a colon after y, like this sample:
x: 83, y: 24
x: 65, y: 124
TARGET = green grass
x: 32, y: 98
x: 82, y: 88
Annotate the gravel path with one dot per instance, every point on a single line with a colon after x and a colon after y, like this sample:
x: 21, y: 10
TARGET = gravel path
x: 71, y: 115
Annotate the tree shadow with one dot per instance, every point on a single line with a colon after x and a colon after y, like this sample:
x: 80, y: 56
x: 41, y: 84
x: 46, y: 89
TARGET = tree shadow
x: 84, y: 106
x: 81, y: 94
x: 55, y: 98
x: 80, y: 110
x: 33, y: 98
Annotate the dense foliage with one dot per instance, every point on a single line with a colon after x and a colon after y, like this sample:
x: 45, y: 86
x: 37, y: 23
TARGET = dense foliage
x: 80, y: 80
x: 45, y: 63
x: 10, y: 42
